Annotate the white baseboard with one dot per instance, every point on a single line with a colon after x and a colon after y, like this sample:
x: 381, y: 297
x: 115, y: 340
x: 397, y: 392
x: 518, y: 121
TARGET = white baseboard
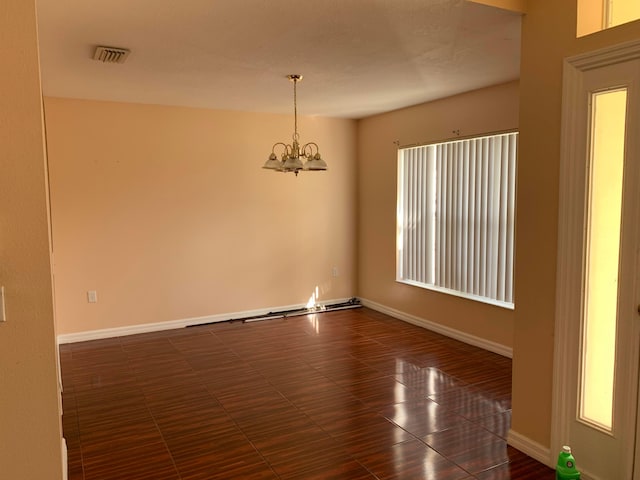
x: 584, y: 475
x: 531, y: 448
x: 441, y: 329
x: 541, y: 453
x: 173, y: 324
x: 65, y: 459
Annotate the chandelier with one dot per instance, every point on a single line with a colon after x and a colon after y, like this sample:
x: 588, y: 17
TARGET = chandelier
x: 291, y: 159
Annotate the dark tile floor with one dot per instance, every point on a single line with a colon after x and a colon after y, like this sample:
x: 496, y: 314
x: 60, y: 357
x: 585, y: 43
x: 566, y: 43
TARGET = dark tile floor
x: 352, y: 395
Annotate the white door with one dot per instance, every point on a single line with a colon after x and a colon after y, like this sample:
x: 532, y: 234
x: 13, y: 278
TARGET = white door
x: 597, y: 321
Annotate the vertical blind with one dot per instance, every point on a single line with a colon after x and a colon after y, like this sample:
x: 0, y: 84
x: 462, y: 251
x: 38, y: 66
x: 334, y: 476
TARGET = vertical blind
x: 456, y: 215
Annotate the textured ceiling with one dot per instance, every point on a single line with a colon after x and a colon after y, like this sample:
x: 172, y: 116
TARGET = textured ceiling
x: 358, y: 57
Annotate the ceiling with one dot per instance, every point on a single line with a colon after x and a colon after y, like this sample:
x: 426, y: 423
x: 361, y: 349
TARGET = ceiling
x: 358, y: 57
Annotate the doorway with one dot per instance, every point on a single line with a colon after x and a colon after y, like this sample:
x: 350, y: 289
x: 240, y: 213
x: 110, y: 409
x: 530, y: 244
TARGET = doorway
x: 597, y: 341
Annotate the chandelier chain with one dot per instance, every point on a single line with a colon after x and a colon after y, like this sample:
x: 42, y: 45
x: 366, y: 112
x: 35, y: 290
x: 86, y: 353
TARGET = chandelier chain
x: 295, y: 110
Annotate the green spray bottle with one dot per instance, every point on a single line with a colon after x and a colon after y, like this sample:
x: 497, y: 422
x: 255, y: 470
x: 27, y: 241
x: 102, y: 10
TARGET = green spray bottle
x: 566, y: 467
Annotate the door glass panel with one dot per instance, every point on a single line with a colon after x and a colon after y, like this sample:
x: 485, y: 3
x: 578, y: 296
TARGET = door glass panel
x: 608, y: 116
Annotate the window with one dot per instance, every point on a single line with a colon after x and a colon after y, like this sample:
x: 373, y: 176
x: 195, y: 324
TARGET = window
x: 456, y: 215
x: 604, y: 222
x: 596, y: 15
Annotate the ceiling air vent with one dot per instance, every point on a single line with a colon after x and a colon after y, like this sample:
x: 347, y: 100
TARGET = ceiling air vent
x: 111, y: 54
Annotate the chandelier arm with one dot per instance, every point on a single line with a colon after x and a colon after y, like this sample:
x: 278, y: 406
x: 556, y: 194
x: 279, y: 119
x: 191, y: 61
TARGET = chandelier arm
x: 309, y: 146
x: 286, y: 147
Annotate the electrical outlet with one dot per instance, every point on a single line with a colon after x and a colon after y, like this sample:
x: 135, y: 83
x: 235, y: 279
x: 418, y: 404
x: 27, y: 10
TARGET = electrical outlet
x: 92, y: 296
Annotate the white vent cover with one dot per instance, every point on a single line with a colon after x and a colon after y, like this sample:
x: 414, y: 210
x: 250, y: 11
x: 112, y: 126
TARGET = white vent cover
x: 111, y: 54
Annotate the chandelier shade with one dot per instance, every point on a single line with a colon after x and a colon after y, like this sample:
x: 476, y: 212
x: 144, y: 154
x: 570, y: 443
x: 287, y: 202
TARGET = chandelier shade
x: 295, y: 157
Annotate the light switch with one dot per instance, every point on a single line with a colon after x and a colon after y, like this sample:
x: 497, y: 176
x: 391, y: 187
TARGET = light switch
x: 92, y: 296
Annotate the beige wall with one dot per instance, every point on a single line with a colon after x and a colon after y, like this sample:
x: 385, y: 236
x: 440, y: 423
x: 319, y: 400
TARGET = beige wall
x: 167, y: 213
x: 29, y: 418
x: 482, y: 111
x: 590, y: 16
x: 549, y: 35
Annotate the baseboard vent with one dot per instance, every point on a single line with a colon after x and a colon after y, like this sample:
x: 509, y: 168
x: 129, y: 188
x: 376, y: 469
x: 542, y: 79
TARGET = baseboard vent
x: 351, y: 303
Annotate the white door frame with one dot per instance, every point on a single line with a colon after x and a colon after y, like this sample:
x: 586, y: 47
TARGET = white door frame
x: 570, y: 233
